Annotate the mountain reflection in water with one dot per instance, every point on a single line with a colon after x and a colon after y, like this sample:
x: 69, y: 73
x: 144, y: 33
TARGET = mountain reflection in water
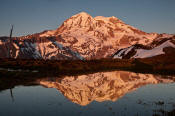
x: 102, y: 86
x: 98, y: 94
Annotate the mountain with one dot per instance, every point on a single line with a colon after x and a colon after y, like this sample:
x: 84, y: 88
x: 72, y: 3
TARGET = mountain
x: 79, y: 37
x: 102, y: 86
x: 36, y: 48
x: 161, y: 46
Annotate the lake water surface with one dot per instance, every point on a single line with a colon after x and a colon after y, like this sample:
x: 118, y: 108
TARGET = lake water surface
x: 117, y: 93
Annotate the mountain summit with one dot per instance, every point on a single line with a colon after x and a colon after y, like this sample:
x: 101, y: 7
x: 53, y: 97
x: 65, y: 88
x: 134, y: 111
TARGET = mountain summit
x: 79, y: 37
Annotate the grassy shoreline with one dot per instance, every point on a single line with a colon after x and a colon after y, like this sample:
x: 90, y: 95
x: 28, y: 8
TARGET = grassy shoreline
x: 77, y: 67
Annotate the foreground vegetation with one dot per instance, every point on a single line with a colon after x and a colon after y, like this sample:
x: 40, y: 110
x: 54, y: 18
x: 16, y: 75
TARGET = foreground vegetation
x: 158, y: 64
x: 30, y: 70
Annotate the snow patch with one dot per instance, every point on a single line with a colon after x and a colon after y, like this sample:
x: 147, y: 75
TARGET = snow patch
x: 125, y: 51
x: 48, y: 33
x: 141, y: 53
x: 58, y: 45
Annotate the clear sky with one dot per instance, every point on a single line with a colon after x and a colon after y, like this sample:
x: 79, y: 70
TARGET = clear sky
x: 31, y: 16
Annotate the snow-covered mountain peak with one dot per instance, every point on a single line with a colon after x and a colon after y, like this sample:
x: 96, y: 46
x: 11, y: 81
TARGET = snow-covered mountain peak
x: 95, y: 37
x: 108, y: 20
x: 83, y: 14
x: 92, y: 36
x: 79, y: 20
x: 83, y: 22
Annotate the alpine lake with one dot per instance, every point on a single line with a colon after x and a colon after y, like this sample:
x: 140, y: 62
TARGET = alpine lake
x: 115, y: 93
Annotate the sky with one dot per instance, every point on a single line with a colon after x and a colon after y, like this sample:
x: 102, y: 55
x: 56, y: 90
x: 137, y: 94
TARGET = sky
x: 33, y: 16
